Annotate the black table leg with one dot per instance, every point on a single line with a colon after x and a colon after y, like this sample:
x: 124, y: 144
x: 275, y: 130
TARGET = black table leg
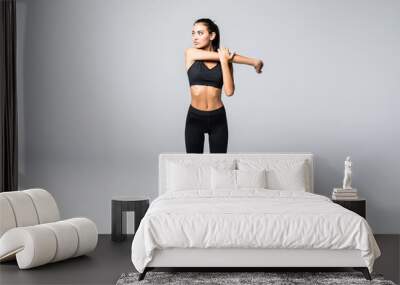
x: 118, y: 221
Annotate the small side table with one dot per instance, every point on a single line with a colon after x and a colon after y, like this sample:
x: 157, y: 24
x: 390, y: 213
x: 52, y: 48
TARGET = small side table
x: 119, y: 206
x: 358, y: 206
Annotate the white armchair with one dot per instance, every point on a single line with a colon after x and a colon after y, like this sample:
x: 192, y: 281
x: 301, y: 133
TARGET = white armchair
x: 32, y: 233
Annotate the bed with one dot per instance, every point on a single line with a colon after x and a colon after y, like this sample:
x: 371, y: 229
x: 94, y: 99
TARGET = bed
x: 242, y: 210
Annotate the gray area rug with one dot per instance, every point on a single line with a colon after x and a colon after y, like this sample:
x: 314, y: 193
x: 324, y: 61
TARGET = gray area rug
x: 225, y: 278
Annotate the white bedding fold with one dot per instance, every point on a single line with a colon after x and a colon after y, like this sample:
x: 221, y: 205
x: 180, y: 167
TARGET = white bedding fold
x: 250, y: 218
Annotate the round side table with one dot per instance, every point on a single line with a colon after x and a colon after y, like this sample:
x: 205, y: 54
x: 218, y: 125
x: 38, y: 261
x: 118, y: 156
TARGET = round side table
x: 119, y: 206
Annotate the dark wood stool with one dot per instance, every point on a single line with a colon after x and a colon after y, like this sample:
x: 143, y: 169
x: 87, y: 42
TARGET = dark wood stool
x: 119, y: 206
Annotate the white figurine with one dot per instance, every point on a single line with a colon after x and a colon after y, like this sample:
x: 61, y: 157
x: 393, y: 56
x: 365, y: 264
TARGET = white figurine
x: 347, y: 174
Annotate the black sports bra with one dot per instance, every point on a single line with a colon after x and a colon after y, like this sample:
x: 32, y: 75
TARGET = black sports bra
x: 200, y: 74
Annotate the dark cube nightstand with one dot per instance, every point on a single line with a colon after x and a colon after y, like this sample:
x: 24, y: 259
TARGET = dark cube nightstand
x: 119, y: 206
x: 358, y: 206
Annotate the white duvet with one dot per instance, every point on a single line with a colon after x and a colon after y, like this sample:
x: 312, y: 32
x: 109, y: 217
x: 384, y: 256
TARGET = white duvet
x: 250, y: 218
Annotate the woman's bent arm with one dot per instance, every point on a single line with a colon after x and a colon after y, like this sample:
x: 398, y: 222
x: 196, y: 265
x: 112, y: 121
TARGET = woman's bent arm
x: 227, y: 70
x: 227, y: 75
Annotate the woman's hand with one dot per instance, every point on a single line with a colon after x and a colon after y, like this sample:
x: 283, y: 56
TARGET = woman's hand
x: 225, y: 55
x: 258, y: 65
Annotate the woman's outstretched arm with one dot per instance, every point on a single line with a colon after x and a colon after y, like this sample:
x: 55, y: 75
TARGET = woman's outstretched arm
x: 199, y: 54
x: 256, y: 63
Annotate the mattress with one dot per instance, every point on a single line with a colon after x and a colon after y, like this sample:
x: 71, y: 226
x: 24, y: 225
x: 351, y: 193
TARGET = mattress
x: 250, y: 218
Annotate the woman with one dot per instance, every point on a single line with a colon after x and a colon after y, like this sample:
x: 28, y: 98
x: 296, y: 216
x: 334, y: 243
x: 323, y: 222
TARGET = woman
x: 210, y: 68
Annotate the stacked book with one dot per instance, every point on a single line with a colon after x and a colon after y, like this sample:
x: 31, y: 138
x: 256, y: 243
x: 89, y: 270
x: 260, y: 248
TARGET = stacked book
x: 344, y: 194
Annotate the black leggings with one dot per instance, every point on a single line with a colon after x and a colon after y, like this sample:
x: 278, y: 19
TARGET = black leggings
x: 212, y: 122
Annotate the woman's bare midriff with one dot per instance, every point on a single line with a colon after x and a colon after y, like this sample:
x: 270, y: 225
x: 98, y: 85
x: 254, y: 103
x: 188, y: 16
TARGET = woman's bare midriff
x: 206, y: 98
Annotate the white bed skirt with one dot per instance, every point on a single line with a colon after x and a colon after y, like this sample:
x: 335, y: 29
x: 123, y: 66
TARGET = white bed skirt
x: 236, y: 257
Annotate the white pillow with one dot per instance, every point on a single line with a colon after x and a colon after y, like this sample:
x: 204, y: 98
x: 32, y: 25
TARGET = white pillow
x: 237, y: 179
x: 255, y: 178
x: 282, y: 174
x: 223, y: 178
x: 189, y: 175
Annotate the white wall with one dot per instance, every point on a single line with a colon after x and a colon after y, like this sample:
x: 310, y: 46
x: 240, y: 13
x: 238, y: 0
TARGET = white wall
x: 103, y: 90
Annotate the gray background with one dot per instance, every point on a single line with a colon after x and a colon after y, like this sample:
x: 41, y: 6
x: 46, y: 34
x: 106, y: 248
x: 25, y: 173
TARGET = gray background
x: 102, y: 90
